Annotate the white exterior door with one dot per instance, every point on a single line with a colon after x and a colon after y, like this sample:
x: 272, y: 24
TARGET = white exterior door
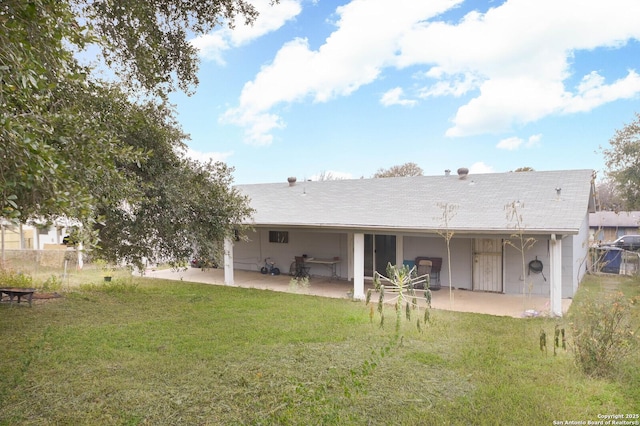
x: 487, y: 264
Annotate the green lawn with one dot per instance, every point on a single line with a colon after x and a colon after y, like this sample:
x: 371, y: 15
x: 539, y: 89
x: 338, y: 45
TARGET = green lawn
x: 141, y: 351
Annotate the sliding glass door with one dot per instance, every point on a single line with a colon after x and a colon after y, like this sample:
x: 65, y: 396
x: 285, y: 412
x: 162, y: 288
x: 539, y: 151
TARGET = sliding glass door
x: 379, y: 250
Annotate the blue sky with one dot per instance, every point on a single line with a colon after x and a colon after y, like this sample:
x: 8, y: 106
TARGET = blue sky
x: 348, y: 87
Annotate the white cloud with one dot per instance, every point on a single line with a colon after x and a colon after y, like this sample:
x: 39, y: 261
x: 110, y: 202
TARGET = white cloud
x: 514, y: 60
x: 394, y: 97
x: 213, y: 45
x: 503, y: 101
x: 258, y: 125
x: 520, y: 54
x: 365, y: 41
x: 454, y: 86
x: 514, y: 143
x: 206, y: 156
x: 510, y: 144
x: 593, y: 92
x: 480, y: 168
x: 534, y: 140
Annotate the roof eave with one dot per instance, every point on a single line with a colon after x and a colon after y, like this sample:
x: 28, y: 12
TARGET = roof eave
x: 425, y: 230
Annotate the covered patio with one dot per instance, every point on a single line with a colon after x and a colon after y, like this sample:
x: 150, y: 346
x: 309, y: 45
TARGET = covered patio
x: 477, y: 224
x: 510, y: 305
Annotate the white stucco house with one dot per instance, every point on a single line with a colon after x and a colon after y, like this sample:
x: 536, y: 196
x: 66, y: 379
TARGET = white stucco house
x: 363, y: 224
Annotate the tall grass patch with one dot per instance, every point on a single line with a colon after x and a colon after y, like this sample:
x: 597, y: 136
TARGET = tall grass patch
x: 605, y: 328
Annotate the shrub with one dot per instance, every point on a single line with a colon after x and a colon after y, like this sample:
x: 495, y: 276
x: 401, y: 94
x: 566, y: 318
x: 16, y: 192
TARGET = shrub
x: 602, y: 334
x: 52, y: 283
x: 11, y: 278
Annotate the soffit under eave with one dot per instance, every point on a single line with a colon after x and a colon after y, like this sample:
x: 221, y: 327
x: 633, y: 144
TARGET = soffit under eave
x: 430, y: 231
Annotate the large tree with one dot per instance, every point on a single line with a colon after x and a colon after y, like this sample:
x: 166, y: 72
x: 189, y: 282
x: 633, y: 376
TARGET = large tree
x: 74, y: 146
x: 623, y: 163
x: 179, y: 205
x: 406, y: 169
x: 147, y: 41
x: 38, y: 82
x: 608, y: 196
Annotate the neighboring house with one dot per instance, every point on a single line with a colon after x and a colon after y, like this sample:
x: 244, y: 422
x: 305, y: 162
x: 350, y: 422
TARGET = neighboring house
x: 11, y: 237
x: 28, y: 237
x: 607, y: 226
x: 32, y: 245
x: 367, y: 223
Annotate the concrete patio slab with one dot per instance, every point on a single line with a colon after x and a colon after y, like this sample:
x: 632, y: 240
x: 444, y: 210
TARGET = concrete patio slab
x: 511, y: 305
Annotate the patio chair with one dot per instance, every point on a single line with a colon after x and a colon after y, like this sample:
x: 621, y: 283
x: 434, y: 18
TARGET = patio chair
x: 302, y: 271
x: 434, y: 274
x: 423, y: 268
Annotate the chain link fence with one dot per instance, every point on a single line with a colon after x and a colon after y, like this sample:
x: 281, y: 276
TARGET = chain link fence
x: 614, y: 261
x: 54, y: 265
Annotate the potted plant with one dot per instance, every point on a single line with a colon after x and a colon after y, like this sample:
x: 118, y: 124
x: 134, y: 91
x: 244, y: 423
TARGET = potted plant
x: 106, y: 269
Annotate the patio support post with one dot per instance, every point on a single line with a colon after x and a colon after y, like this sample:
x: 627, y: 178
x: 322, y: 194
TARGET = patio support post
x: 36, y: 238
x: 358, y: 266
x: 555, y: 277
x: 228, y: 261
x: 79, y: 251
x: 399, y: 250
x: 350, y: 256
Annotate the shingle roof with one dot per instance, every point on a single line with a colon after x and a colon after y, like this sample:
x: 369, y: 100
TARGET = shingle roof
x: 606, y: 219
x: 416, y: 203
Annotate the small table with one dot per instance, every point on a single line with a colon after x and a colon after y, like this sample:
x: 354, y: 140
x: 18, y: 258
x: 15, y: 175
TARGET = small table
x: 329, y: 263
x: 17, y: 292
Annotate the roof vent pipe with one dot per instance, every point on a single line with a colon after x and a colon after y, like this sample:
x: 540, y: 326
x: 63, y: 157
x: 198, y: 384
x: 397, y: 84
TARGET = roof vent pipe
x: 463, y: 172
x: 291, y: 180
x: 447, y: 172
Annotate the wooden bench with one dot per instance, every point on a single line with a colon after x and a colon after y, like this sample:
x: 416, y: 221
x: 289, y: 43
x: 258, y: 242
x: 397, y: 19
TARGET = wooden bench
x: 19, y: 293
